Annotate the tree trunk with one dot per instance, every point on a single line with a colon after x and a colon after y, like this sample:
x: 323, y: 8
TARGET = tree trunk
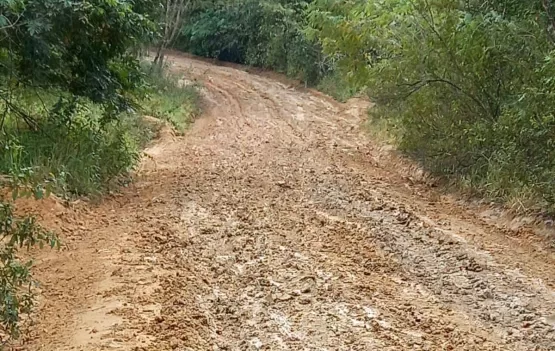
x: 159, y: 58
x: 174, y: 17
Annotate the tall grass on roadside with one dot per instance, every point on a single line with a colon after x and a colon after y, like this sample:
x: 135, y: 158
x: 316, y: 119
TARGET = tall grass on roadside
x: 75, y: 149
x: 81, y: 154
x: 172, y: 97
x: 337, y: 87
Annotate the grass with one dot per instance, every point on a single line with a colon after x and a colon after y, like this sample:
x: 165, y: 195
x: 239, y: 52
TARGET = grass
x: 336, y: 87
x: 82, y: 157
x: 74, y: 151
x: 172, y: 98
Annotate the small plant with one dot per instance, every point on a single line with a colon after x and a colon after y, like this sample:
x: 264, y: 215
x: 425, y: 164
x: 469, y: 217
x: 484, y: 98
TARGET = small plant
x: 17, y: 233
x: 16, y: 281
x: 170, y: 98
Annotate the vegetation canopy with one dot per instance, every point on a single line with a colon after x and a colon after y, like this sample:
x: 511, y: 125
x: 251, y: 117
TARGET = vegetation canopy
x: 465, y: 87
x: 72, y: 89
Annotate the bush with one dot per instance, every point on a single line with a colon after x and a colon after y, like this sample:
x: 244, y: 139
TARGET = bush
x: 268, y: 34
x: 171, y: 98
x: 76, y: 148
x: 73, y: 143
x: 467, y: 86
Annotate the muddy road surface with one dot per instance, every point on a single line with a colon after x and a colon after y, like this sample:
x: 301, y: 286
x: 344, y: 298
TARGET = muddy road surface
x: 276, y: 223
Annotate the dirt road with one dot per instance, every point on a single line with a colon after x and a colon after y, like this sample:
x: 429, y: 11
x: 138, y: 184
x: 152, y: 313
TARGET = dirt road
x: 276, y: 224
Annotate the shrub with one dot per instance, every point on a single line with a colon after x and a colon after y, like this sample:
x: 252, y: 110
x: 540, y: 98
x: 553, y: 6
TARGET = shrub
x: 16, y: 282
x: 75, y: 147
x: 268, y: 34
x: 171, y: 97
x: 467, y: 85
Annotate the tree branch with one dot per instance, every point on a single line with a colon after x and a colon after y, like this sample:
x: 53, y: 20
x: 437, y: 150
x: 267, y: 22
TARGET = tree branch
x: 422, y: 83
x: 30, y: 121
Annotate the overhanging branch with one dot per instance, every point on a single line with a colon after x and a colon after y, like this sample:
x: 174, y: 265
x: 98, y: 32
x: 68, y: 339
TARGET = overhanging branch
x: 416, y: 86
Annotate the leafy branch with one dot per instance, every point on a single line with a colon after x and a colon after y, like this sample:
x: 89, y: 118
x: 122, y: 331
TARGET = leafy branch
x: 416, y: 86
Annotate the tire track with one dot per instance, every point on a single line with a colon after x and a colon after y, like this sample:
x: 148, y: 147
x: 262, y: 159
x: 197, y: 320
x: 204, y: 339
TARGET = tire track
x: 271, y: 225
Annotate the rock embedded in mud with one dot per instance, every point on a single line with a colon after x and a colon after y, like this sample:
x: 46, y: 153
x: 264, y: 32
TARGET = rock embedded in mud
x: 160, y: 238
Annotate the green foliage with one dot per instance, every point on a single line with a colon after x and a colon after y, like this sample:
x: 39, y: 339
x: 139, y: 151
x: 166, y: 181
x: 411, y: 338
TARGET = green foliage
x: 16, y: 233
x: 267, y: 34
x: 79, y: 46
x: 16, y: 282
x: 72, y: 144
x: 70, y: 84
x: 466, y: 85
x: 171, y: 98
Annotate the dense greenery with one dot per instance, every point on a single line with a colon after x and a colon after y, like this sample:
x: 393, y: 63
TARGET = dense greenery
x: 69, y: 80
x: 81, y: 47
x: 72, y: 92
x: 466, y: 85
x: 265, y: 34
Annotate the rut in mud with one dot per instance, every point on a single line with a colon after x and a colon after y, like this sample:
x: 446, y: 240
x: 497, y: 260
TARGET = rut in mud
x: 275, y: 225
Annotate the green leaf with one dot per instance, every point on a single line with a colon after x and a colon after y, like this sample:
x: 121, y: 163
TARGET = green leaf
x: 15, y: 193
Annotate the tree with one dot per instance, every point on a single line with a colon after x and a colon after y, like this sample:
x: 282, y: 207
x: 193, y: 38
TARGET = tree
x: 173, y: 17
x: 78, y: 46
x: 69, y: 50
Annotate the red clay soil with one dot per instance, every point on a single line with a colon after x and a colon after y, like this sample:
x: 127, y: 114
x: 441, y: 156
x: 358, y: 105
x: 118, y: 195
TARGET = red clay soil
x: 275, y: 223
